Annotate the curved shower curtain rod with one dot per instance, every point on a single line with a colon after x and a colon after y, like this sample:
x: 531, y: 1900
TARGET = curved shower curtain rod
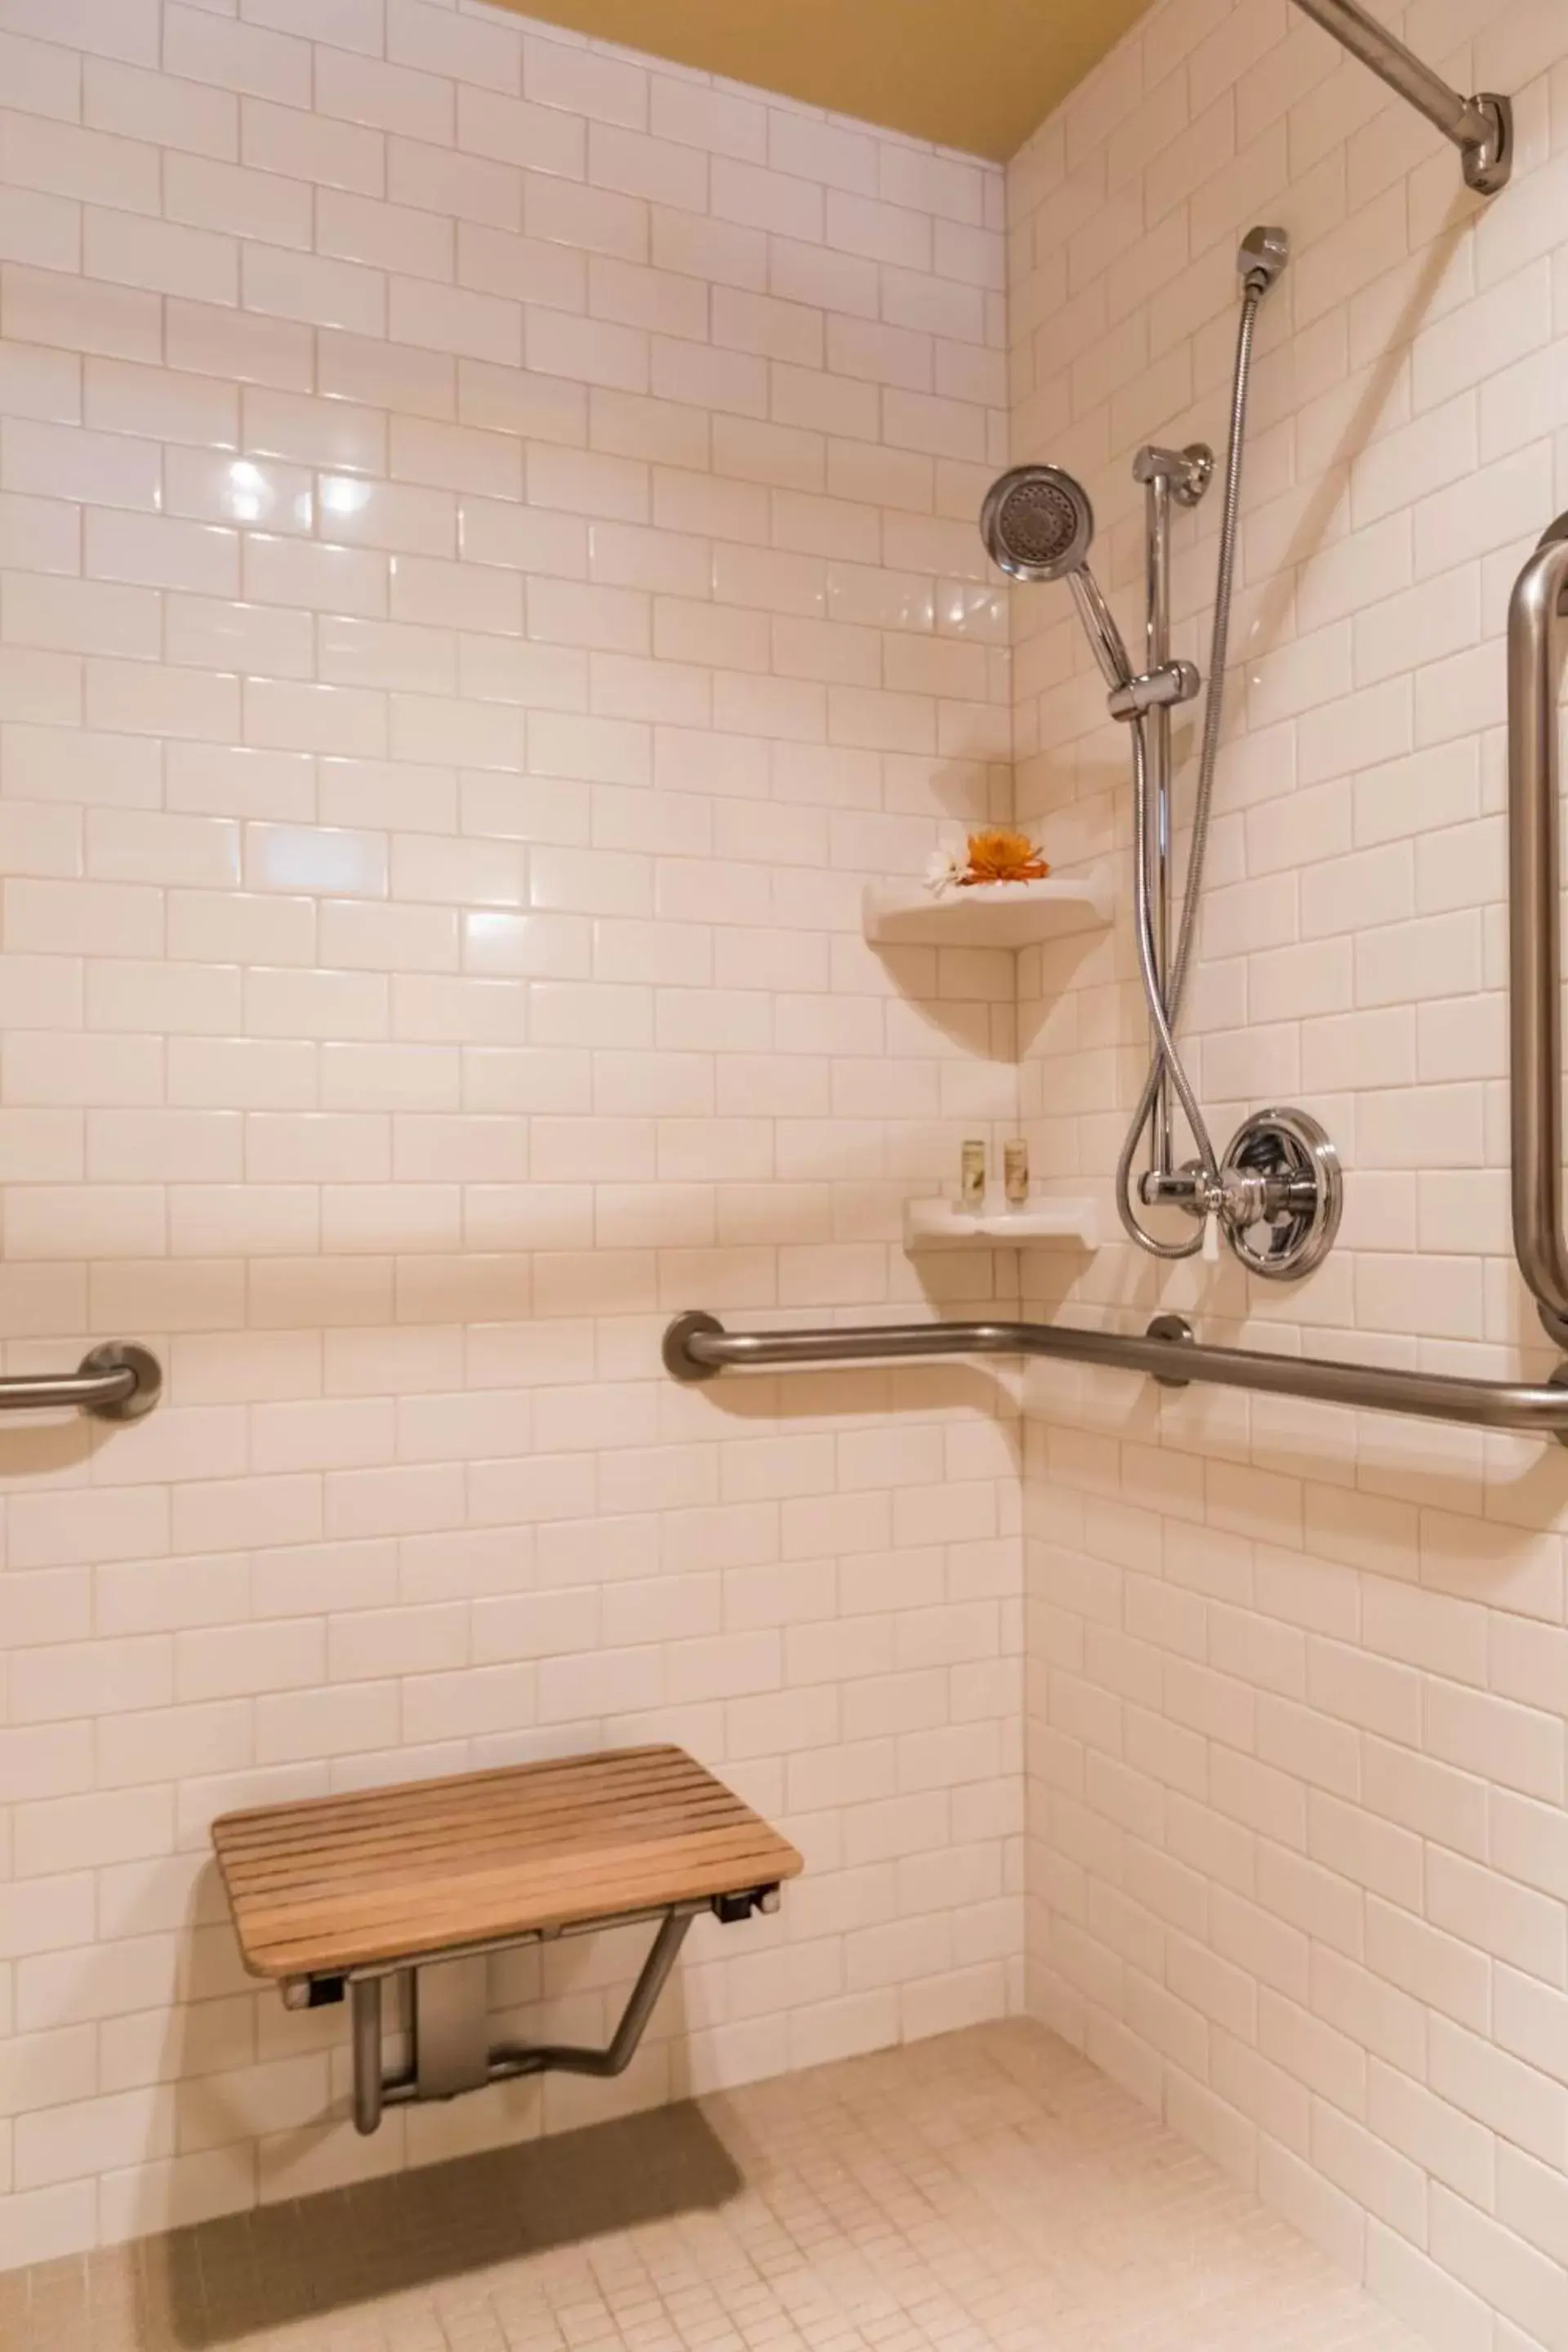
x: 1481, y: 127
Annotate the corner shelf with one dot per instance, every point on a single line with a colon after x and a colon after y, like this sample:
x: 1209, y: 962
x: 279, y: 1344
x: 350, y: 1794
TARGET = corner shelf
x: 943, y: 1224
x: 987, y: 914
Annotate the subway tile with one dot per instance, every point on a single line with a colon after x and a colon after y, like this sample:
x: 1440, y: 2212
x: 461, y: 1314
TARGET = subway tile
x: 538, y: 998
x: 335, y: 154
x: 584, y: 82
x: 464, y: 188
x: 47, y: 306
x: 481, y: 51
x: 99, y: 468
x: 244, y: 202
x: 754, y: 196
x: 237, y: 56
x: 164, y: 403
x: 383, y: 95
x: 541, y: 138
x: 250, y: 348
x: 314, y: 291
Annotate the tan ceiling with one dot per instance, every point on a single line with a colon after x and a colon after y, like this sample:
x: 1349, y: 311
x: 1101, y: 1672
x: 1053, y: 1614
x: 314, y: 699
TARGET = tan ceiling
x: 973, y: 74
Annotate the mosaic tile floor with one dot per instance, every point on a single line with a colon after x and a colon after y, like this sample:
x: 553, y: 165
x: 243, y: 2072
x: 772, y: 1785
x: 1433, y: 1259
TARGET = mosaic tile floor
x: 988, y: 2189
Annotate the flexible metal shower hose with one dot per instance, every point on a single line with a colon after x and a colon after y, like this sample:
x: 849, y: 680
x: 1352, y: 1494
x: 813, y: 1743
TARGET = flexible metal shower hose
x: 1164, y: 1009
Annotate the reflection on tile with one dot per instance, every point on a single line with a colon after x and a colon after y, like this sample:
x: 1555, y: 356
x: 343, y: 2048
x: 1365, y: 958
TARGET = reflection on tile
x: 315, y: 860
x: 963, y: 609
x: 209, y: 486
x: 547, y: 947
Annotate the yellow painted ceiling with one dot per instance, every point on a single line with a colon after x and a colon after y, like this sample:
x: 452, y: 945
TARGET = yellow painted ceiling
x: 973, y: 74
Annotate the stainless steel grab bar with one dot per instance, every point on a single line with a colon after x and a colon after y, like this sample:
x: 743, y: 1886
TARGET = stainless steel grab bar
x: 118, y: 1383
x: 1481, y: 127
x: 697, y: 1346
x: 1535, y: 982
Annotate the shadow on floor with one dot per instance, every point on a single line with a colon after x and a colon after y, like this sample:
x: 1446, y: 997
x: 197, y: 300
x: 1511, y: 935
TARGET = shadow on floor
x: 279, y: 2265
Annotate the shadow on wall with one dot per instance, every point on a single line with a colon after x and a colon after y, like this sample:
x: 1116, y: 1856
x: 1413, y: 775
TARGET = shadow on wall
x: 1308, y: 535
x: 868, y: 1391
x: 283, y: 2264
x: 49, y: 1449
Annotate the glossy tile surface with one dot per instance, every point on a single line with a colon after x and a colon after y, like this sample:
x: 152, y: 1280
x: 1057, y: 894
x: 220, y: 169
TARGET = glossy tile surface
x: 1298, y: 1705
x: 461, y: 509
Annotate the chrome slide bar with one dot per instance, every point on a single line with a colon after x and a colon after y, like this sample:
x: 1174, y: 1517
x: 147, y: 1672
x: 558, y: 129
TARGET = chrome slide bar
x: 118, y: 1383
x: 697, y: 1346
x: 1535, y: 647
x: 1481, y: 127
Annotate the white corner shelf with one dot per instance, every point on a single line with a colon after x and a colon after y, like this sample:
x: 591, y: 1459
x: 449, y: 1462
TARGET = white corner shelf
x: 987, y: 914
x: 943, y: 1224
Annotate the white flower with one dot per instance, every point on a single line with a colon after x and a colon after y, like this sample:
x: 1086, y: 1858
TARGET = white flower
x: 944, y: 867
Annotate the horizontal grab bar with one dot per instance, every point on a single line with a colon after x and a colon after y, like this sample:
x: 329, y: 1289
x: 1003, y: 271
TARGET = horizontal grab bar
x: 118, y: 1383
x: 697, y: 1346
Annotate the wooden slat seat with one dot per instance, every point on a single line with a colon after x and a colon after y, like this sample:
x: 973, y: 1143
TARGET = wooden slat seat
x: 387, y: 1875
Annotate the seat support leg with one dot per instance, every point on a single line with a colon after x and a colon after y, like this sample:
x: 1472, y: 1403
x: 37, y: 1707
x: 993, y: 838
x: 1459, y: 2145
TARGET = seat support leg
x: 451, y: 2052
x: 367, y: 1998
x: 564, y: 2058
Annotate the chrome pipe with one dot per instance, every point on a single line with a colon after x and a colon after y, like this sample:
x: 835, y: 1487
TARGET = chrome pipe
x: 1535, y: 984
x: 510, y: 2060
x: 1100, y: 622
x: 368, y: 2090
x: 1480, y: 127
x: 1156, y: 847
x: 114, y: 1383
x: 697, y: 1346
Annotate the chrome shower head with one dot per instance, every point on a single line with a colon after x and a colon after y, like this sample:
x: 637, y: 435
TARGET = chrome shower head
x: 1038, y: 525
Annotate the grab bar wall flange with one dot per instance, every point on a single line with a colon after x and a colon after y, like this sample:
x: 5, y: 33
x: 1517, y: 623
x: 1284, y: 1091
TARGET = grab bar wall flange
x: 1535, y: 1017
x: 120, y: 1382
x: 697, y: 1346
x: 1480, y: 127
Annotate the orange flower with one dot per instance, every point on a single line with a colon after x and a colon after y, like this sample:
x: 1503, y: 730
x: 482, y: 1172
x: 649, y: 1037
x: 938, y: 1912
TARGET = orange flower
x: 1003, y: 857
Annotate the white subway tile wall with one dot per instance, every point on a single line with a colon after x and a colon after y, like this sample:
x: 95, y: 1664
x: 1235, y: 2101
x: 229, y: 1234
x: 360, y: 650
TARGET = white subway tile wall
x: 486, y: 572
x: 1298, y: 1864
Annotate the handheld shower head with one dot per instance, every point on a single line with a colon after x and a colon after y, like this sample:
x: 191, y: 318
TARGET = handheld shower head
x: 1263, y: 258
x: 1038, y: 525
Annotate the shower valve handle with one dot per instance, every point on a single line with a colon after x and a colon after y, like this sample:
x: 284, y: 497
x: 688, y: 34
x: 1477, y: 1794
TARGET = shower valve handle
x: 1187, y: 1187
x: 1276, y: 1198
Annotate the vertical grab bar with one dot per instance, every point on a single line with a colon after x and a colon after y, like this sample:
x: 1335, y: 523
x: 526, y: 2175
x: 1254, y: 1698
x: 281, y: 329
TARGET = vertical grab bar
x: 1535, y: 980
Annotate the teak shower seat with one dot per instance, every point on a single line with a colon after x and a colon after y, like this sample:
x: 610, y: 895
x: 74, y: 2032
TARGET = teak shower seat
x: 431, y: 1877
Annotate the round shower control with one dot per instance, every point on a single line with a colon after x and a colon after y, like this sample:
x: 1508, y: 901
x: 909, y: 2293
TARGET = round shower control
x: 1285, y: 1194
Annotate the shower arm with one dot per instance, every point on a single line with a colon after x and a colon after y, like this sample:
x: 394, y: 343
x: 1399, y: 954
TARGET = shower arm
x: 1481, y: 127
x: 1100, y: 624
